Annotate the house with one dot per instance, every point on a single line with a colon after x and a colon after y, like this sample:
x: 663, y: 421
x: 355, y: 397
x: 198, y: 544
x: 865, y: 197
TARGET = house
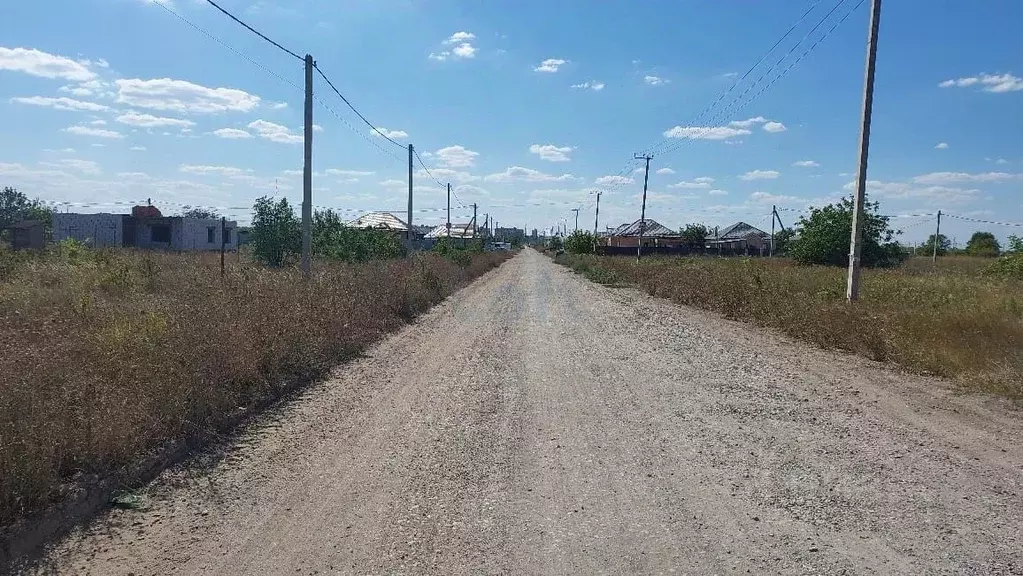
x: 28, y: 235
x: 145, y: 228
x: 380, y: 221
x: 740, y: 237
x: 654, y: 234
x: 463, y: 230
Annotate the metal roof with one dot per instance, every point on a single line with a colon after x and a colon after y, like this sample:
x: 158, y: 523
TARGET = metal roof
x: 652, y: 229
x: 379, y: 221
x: 738, y: 231
x: 462, y: 230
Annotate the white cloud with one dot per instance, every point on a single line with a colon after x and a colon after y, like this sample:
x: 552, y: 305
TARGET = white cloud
x: 764, y: 197
x: 989, y: 83
x: 43, y: 64
x: 774, y: 127
x: 392, y: 134
x: 69, y: 104
x: 663, y: 171
x: 98, y: 123
x: 138, y: 148
x: 456, y: 157
x: 84, y: 166
x: 88, y: 131
x: 316, y: 128
x: 448, y: 174
x: 279, y: 105
x: 939, y: 178
x: 748, y: 123
x: 697, y: 183
x: 903, y: 190
x: 705, y: 132
x: 439, y: 56
x: 760, y: 175
x: 392, y: 183
x: 592, y: 85
x: 941, y: 146
x: 655, y: 80
x: 551, y: 153
x: 464, y: 50
x: 182, y: 96
x: 613, y: 180
x: 275, y: 132
x: 460, y: 37
x: 806, y: 164
x: 231, y: 133
x: 339, y: 172
x: 550, y: 65
x: 520, y: 174
x: 716, y: 192
x: 222, y: 170
x: 133, y: 118
x: 1001, y: 161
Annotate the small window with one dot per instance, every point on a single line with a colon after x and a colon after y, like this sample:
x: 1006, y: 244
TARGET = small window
x: 227, y: 235
x: 160, y: 234
x: 211, y: 234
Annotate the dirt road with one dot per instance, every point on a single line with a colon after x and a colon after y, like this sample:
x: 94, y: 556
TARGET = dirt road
x: 539, y: 424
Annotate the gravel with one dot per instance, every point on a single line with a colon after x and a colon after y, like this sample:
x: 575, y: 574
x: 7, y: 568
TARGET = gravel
x: 536, y: 423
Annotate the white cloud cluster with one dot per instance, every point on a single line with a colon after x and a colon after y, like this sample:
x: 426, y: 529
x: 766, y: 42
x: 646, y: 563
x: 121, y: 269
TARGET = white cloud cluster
x: 550, y: 65
x: 551, y: 153
x: 760, y: 175
x: 133, y: 118
x: 613, y: 180
x: 705, y: 132
x: 456, y: 157
x: 90, y: 131
x: 771, y: 126
x: 997, y: 83
x: 939, y: 178
x: 181, y: 96
x: 918, y: 188
x: 231, y: 133
x: 392, y: 134
x: 461, y: 43
x: 696, y: 184
x: 766, y: 197
x: 275, y: 132
x: 221, y: 170
x: 806, y: 164
x: 655, y: 80
x: 664, y: 171
x: 69, y: 104
x: 589, y: 85
x: 941, y: 146
x: 520, y: 174
x: 44, y: 64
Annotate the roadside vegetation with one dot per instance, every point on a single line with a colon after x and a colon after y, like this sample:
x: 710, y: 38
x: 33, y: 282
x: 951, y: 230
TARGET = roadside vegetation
x: 111, y: 354
x: 960, y: 318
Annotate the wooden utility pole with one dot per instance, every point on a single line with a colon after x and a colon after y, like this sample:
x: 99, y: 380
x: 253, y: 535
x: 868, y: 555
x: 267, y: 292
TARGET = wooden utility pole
x: 774, y: 214
x: 642, y: 214
x: 409, y: 223
x: 937, y: 232
x: 307, y: 171
x: 856, y: 240
x: 474, y: 220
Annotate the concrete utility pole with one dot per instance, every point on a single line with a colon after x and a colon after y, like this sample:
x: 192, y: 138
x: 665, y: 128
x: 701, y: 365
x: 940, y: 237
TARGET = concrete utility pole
x: 223, y: 242
x: 410, y: 150
x: 449, y: 210
x: 937, y: 231
x: 307, y: 171
x: 474, y: 220
x: 642, y: 214
x: 856, y: 240
x: 774, y: 214
x: 596, y: 220
x: 576, y: 210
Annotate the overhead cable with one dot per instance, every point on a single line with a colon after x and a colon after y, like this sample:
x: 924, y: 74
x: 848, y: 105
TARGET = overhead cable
x: 250, y: 29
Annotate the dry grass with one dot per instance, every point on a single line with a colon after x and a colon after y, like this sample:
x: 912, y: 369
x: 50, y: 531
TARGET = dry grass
x: 951, y: 321
x: 108, y: 355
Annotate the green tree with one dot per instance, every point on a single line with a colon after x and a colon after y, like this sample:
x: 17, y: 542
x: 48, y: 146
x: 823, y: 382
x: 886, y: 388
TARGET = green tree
x: 824, y: 237
x: 1015, y: 244
x: 694, y: 235
x: 783, y: 240
x: 332, y: 239
x: 983, y: 244
x: 199, y: 213
x: 927, y: 248
x: 15, y: 207
x: 580, y: 242
x: 276, y: 234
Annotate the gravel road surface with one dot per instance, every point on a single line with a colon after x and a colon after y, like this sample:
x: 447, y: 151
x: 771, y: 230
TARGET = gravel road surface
x: 536, y: 423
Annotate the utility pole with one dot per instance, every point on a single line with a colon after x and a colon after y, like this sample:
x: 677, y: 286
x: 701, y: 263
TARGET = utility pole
x: 474, y: 220
x: 856, y: 240
x: 449, y: 210
x: 409, y: 223
x: 576, y: 210
x: 642, y: 214
x: 774, y: 214
x: 596, y: 220
x: 223, y: 242
x: 937, y: 231
x: 307, y: 171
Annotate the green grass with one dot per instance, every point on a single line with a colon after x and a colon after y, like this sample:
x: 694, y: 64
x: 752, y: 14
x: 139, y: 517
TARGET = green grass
x: 954, y: 320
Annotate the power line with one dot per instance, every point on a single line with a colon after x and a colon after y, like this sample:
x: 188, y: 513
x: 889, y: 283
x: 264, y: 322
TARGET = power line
x: 1013, y: 224
x: 251, y: 29
x: 357, y: 113
x: 356, y: 130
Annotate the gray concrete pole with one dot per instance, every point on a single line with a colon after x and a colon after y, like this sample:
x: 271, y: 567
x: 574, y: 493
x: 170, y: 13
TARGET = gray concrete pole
x: 307, y: 171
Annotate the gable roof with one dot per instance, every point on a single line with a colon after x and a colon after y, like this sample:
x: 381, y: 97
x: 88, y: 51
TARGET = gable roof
x: 738, y: 231
x: 379, y: 221
x: 462, y: 230
x: 652, y: 229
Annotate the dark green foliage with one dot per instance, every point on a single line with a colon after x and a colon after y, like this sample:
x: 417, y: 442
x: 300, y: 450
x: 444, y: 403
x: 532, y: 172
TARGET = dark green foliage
x: 927, y: 247
x: 199, y: 213
x: 276, y: 232
x: 580, y: 242
x: 333, y: 240
x: 824, y: 237
x: 15, y: 207
x: 783, y: 240
x: 1015, y: 244
x: 983, y: 244
x: 694, y: 235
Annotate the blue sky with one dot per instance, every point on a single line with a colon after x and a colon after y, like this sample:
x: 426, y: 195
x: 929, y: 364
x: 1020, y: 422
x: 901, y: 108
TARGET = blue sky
x: 525, y: 107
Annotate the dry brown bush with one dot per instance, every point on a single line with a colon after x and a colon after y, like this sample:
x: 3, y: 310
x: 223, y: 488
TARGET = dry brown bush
x: 108, y: 355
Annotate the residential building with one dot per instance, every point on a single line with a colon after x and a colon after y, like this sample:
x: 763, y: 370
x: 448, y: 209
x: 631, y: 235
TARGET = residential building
x: 654, y: 234
x: 380, y: 221
x: 740, y: 237
x: 462, y: 230
x: 146, y: 229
